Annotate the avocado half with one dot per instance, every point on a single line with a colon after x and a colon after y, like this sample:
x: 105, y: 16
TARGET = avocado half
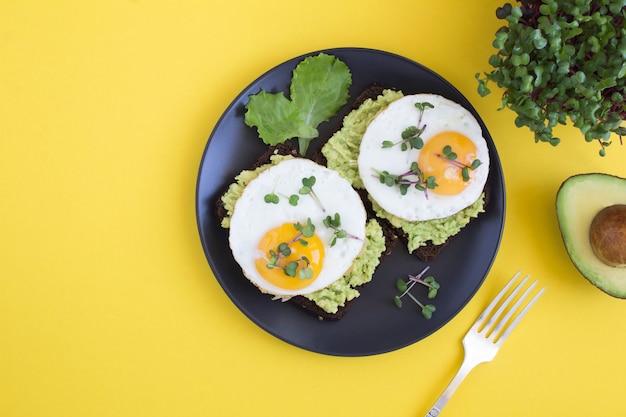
x: 578, y: 200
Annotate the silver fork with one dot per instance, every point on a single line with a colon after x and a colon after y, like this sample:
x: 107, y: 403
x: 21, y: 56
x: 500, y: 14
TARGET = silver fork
x: 484, y: 338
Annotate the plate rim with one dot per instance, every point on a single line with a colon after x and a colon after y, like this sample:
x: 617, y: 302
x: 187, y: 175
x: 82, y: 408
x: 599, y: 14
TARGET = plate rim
x: 494, y: 156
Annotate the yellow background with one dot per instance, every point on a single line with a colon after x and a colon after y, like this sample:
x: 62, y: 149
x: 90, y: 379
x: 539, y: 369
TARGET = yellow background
x: 107, y: 304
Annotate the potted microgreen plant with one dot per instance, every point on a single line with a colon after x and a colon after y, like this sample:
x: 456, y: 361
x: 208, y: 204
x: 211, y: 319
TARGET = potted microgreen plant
x: 560, y: 62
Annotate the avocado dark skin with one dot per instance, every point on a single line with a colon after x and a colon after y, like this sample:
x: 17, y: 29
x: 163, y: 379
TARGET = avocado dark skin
x: 607, y: 235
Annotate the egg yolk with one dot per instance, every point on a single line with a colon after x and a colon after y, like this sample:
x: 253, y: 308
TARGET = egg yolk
x: 448, y: 173
x: 307, y: 255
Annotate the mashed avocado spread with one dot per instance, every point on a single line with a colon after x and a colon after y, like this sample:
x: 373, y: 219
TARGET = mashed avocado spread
x: 331, y: 298
x: 342, y: 152
x: 342, y: 149
x: 344, y: 289
x: 235, y: 189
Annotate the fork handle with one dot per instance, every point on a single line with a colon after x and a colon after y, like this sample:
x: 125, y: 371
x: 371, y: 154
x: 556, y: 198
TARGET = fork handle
x: 465, y: 369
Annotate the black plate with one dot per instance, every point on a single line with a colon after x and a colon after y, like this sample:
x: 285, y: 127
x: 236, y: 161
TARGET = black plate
x: 374, y: 324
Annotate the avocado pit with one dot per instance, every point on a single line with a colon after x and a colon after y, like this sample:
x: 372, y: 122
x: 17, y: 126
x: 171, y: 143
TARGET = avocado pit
x: 607, y: 235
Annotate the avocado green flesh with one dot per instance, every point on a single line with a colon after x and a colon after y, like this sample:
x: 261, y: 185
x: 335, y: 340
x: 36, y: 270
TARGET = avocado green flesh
x: 331, y: 298
x: 578, y: 200
x: 342, y: 149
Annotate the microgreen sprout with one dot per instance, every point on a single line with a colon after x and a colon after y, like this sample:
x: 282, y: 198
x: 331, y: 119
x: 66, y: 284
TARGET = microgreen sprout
x: 293, y: 199
x: 271, y: 198
x: 307, y: 230
x: 422, y: 108
x: 413, y: 177
x: 274, y: 198
x: 411, y: 136
x: 450, y: 156
x: 603, y: 146
x: 307, y: 188
x: 300, y: 267
x: 411, y: 139
x: 334, y: 223
x: 405, y: 289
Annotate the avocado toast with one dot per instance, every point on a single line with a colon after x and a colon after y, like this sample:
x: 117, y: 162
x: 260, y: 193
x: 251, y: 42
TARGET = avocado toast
x: 331, y: 302
x: 425, y: 239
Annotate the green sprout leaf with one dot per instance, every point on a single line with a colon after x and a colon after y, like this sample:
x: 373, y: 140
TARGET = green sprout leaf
x: 431, y: 182
x: 307, y: 185
x: 433, y: 286
x: 305, y: 273
x: 291, y: 268
x: 410, y: 138
x: 465, y: 174
x: 422, y: 106
x: 427, y: 311
x: 284, y: 249
x: 448, y: 154
x: 401, y: 285
x: 307, y: 189
x: 334, y: 222
x: 271, y: 198
x: 413, y: 177
x: 307, y: 230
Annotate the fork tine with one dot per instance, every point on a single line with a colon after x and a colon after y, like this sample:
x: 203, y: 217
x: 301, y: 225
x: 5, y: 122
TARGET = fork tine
x: 496, y: 316
x: 480, y: 320
x: 521, y: 314
x: 511, y: 310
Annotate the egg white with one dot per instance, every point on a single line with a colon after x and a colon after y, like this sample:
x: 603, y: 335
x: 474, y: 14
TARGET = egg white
x: 253, y: 217
x: 388, y: 125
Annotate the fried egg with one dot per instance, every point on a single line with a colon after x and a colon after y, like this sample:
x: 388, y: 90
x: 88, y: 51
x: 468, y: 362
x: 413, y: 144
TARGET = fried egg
x: 270, y: 228
x: 449, y: 165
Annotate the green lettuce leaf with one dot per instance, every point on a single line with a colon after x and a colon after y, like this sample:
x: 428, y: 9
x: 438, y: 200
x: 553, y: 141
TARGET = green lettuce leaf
x: 319, y: 88
x: 276, y: 119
